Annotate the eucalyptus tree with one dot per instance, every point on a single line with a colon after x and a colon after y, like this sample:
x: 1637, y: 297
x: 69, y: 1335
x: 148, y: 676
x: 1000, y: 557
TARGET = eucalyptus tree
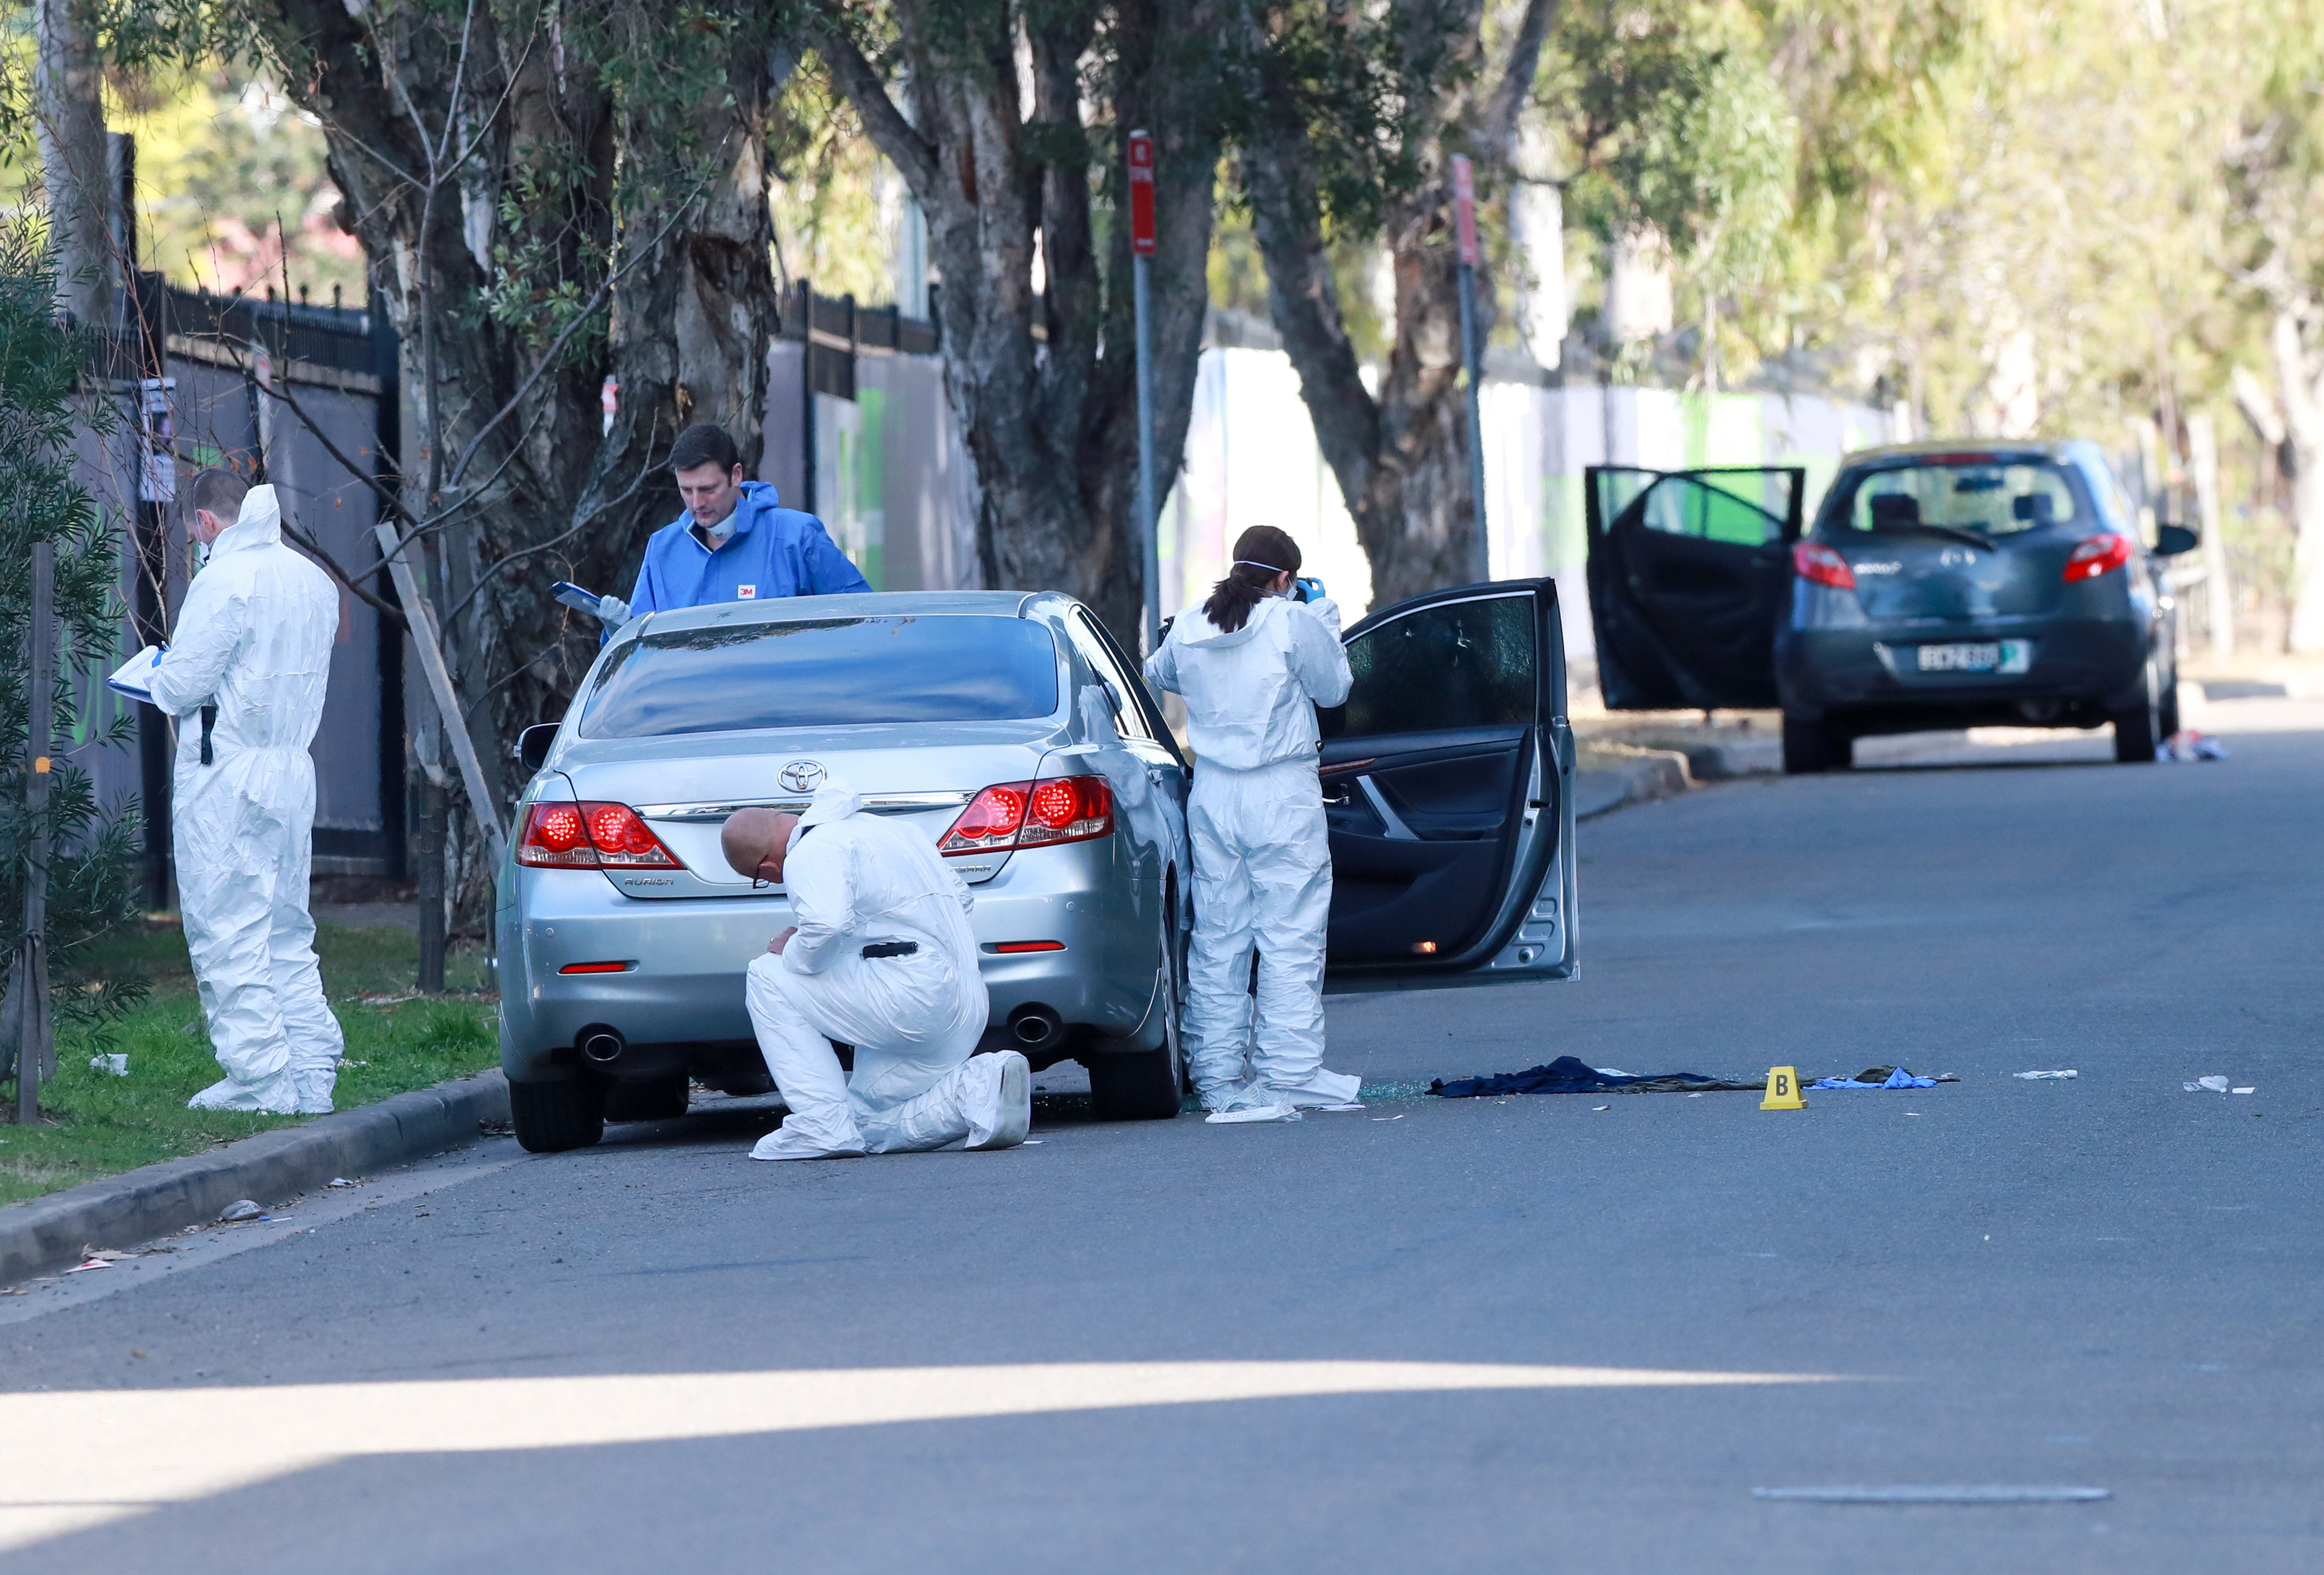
x: 550, y: 196
x: 1354, y: 116
x: 2273, y: 167
x: 1008, y: 120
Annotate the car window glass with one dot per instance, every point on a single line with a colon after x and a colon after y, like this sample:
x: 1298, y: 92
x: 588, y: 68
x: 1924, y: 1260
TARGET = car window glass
x: 1717, y: 511
x: 1127, y: 720
x: 826, y: 672
x: 1463, y: 664
x: 1990, y: 497
x: 1617, y: 490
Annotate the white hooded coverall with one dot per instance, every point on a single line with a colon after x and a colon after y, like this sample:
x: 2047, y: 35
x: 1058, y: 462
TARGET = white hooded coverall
x: 854, y: 880
x: 254, y: 640
x: 1262, y: 864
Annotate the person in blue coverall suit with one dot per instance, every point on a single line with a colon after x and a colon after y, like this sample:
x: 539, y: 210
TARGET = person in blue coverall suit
x: 736, y: 541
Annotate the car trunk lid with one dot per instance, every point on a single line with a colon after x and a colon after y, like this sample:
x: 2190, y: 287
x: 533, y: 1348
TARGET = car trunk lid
x: 1915, y: 577
x: 684, y: 788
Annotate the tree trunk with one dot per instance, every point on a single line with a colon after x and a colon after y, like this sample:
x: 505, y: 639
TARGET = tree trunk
x: 1401, y: 456
x: 1050, y: 422
x: 493, y: 272
x: 68, y: 120
x: 2299, y: 385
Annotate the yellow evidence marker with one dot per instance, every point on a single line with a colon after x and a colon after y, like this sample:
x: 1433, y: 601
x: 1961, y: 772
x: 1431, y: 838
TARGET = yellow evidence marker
x: 1782, y: 1091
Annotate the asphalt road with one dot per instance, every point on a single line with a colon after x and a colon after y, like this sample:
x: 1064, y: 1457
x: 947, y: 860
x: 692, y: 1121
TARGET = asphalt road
x: 1434, y: 1336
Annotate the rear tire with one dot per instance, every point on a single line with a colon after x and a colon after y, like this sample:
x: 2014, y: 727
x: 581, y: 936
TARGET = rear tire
x: 2169, y: 722
x: 2137, y: 730
x: 1814, y: 746
x: 1141, y: 1085
x: 551, y: 1118
x: 1149, y: 1085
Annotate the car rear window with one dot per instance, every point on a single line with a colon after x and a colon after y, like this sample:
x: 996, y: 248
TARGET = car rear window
x: 828, y: 672
x: 1992, y: 494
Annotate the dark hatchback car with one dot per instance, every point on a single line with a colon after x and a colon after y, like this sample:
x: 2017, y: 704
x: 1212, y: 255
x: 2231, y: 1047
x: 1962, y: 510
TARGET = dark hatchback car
x: 1942, y: 585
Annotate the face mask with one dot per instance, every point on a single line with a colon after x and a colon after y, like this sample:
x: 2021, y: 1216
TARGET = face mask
x: 201, y: 556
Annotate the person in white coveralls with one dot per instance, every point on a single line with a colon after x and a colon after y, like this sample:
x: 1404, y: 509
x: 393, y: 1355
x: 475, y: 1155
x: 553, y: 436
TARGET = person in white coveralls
x: 1253, y: 665
x: 882, y: 958
x: 244, y: 676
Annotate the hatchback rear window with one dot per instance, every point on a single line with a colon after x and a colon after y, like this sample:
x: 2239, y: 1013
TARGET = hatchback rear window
x: 830, y: 672
x: 1992, y: 496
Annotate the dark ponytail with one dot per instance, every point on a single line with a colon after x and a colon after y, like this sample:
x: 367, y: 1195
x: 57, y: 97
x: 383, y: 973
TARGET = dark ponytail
x: 1261, y: 553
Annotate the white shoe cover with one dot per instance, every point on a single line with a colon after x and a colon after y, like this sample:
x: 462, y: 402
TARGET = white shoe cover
x: 783, y: 1143
x: 1322, y: 1088
x: 276, y: 1096
x: 1001, y: 1102
x: 1243, y: 1114
x: 314, y: 1088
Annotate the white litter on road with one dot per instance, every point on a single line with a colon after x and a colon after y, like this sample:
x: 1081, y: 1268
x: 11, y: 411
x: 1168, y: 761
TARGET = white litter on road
x: 2033, y: 1077
x: 2204, y: 1085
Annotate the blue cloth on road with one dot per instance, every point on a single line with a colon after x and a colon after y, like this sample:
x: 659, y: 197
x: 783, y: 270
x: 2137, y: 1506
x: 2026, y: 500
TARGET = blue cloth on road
x: 1898, y: 1077
x: 775, y: 552
x: 1570, y: 1075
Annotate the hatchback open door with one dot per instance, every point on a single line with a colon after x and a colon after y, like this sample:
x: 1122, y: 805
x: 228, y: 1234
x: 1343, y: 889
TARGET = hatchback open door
x: 1447, y: 789
x: 1689, y: 575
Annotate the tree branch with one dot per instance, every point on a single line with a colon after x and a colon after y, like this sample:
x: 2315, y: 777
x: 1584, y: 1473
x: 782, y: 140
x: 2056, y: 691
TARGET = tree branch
x: 860, y: 85
x: 1497, y: 131
x: 556, y: 346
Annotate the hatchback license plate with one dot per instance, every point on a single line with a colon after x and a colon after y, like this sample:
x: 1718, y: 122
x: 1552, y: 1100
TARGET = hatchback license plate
x: 1983, y: 656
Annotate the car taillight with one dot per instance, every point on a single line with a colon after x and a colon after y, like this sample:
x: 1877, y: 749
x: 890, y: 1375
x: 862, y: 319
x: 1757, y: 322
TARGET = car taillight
x: 989, y: 822
x: 1068, y: 809
x: 1013, y: 814
x: 555, y: 836
x: 2097, y: 556
x: 590, y: 835
x: 1812, y: 561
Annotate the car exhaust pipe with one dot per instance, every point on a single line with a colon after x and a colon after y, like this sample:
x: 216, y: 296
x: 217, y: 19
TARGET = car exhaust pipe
x: 1034, y: 1025
x: 603, y: 1046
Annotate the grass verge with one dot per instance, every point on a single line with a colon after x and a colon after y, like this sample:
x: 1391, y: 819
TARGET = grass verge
x: 94, y: 1124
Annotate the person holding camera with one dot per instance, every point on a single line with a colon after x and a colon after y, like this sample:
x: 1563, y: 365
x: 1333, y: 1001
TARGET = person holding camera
x: 1252, y: 667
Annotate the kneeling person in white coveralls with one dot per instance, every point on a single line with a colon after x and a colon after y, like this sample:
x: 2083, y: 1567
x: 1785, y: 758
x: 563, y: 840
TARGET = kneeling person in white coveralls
x: 882, y: 958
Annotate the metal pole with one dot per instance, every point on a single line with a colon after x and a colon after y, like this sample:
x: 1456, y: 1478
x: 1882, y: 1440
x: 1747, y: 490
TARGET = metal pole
x: 1149, y: 542
x: 29, y: 991
x: 1483, y: 561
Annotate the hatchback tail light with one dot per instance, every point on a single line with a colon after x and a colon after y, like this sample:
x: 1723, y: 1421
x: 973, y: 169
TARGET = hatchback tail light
x: 590, y: 835
x: 1815, y: 563
x: 1026, y: 814
x: 2097, y: 556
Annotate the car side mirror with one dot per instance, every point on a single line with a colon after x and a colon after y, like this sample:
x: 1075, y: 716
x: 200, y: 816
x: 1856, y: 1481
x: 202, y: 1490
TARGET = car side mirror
x: 532, y: 743
x: 2171, y: 540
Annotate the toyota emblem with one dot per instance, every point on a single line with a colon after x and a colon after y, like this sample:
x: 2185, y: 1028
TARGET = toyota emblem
x: 802, y: 776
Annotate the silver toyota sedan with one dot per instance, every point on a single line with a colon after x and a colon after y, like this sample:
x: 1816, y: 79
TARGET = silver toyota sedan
x: 1021, y: 738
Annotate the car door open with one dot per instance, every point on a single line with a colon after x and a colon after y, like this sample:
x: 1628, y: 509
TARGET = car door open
x: 1446, y: 780
x: 1690, y: 574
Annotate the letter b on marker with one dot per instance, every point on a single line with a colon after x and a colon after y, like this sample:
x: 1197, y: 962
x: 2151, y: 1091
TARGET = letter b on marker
x: 1782, y: 1091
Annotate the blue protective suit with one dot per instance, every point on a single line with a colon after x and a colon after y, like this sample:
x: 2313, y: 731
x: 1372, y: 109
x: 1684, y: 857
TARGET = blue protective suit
x: 774, y: 551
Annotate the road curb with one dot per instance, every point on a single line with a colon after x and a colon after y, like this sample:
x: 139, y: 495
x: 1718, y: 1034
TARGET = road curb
x: 1661, y: 773
x: 120, y: 1211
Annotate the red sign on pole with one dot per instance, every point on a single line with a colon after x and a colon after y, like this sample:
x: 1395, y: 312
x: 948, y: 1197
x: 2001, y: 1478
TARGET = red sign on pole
x: 1464, y: 208
x: 1141, y: 193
